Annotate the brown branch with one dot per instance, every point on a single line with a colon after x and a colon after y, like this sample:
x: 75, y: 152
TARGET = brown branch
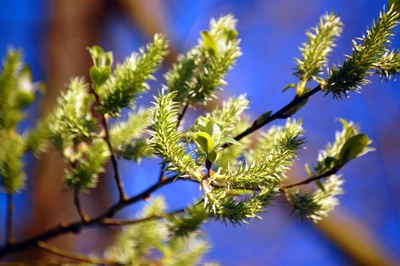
x: 280, y: 114
x: 311, y: 179
x: 9, y: 219
x: 77, y: 203
x: 76, y: 227
x: 115, y: 222
x: 72, y: 255
x: 114, y: 163
x: 180, y: 117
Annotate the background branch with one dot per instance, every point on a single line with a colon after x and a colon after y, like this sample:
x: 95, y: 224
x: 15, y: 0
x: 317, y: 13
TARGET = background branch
x: 77, y: 203
x: 9, y: 220
x: 72, y: 255
x: 76, y: 227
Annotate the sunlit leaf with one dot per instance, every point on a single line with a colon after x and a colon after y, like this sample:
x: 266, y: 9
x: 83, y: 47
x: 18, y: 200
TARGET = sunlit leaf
x: 354, y: 147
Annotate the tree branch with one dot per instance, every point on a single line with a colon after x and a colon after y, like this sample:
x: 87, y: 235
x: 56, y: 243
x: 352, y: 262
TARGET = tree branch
x: 280, y: 114
x: 77, y: 203
x: 114, y: 163
x: 9, y: 219
x: 76, y: 227
x: 115, y: 222
x: 72, y: 255
x: 311, y: 179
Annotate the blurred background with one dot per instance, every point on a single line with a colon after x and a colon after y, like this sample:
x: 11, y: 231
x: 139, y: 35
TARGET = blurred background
x: 364, y: 229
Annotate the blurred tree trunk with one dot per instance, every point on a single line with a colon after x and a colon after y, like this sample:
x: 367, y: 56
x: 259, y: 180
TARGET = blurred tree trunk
x: 74, y: 26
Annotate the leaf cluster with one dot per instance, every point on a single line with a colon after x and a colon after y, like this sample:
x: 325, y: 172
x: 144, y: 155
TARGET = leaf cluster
x: 239, y: 177
x: 369, y: 52
x: 128, y: 80
x: 151, y: 242
x: 199, y: 74
x: 349, y: 144
x: 17, y: 92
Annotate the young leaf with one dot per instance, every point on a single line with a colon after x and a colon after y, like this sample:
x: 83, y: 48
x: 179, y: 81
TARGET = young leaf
x: 209, y: 42
x: 205, y: 141
x: 353, y: 148
x: 99, y: 75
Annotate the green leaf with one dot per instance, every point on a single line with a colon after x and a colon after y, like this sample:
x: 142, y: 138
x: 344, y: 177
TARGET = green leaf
x: 213, y: 130
x: 353, y: 148
x: 100, y: 58
x: 99, y: 75
x: 330, y: 161
x: 209, y: 42
x: 205, y: 141
x: 201, y: 123
x: 289, y: 86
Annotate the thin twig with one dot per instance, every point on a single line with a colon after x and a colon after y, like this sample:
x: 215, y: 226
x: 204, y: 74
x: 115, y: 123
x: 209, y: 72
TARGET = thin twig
x: 280, y: 114
x: 114, y: 163
x: 180, y: 117
x: 77, y: 203
x: 10, y: 212
x: 162, y: 176
x: 72, y: 255
x: 311, y: 179
x: 115, y: 222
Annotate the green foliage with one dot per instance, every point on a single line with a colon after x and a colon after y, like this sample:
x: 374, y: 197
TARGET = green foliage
x: 128, y: 80
x: 317, y: 204
x: 16, y: 92
x: 349, y: 144
x: 127, y: 137
x: 209, y: 139
x: 73, y: 121
x: 12, y: 175
x: 198, y: 75
x: 239, y: 177
x: 316, y: 49
x: 275, y: 153
x: 365, y: 56
x: 183, y: 225
x: 87, y: 160
x: 150, y: 242
x: 74, y: 133
x: 388, y: 64
x: 101, y: 70
x: 10, y: 115
x: 36, y: 139
x: 238, y: 207
x: 165, y: 139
